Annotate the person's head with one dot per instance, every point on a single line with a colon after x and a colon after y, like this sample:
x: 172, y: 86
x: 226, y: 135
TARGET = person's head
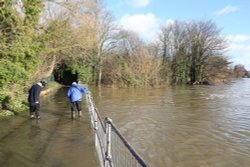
x: 75, y: 82
x: 43, y: 83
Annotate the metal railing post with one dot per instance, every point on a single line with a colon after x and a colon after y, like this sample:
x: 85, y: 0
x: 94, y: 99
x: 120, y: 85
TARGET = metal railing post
x: 119, y: 152
x: 108, y: 158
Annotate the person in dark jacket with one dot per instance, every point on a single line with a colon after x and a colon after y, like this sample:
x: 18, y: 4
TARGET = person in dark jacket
x: 75, y: 96
x: 34, y: 99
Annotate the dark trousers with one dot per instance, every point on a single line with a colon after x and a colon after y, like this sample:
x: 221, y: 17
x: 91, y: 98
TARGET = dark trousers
x: 76, y: 106
x: 35, y: 109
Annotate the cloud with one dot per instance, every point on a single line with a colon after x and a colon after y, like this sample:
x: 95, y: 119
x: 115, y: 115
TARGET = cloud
x: 145, y: 25
x: 240, y: 54
x: 139, y: 3
x: 238, y: 38
x: 240, y: 49
x: 228, y: 9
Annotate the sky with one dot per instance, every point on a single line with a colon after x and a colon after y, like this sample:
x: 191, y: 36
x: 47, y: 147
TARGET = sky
x: 230, y: 16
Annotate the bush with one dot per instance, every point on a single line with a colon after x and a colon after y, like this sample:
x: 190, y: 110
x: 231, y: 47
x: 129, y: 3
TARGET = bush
x: 5, y: 113
x: 12, y: 99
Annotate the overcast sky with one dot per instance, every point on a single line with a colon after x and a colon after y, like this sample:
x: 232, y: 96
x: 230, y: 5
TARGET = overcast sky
x: 231, y: 16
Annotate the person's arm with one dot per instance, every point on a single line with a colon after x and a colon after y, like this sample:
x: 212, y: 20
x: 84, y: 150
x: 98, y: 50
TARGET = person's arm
x: 29, y: 95
x: 69, y: 93
x: 84, y: 90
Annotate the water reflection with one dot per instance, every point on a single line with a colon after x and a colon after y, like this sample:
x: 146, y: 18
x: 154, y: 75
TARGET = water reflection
x: 195, y: 126
x: 54, y: 140
x: 184, y: 126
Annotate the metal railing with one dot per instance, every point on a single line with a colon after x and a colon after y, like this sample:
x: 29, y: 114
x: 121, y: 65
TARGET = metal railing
x: 112, y: 148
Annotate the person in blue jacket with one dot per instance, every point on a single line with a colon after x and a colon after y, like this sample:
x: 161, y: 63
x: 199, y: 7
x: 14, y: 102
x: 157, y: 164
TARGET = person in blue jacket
x: 34, y: 99
x: 75, y: 96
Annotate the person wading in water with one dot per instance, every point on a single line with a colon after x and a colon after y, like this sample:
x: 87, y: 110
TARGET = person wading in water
x: 34, y: 99
x: 75, y: 96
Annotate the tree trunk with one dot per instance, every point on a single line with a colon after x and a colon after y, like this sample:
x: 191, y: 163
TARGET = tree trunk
x: 52, y: 67
x: 100, y: 69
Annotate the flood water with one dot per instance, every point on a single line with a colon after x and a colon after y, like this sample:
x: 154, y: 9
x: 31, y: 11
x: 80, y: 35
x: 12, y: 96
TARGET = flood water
x: 188, y: 126
x: 53, y: 141
x: 197, y: 126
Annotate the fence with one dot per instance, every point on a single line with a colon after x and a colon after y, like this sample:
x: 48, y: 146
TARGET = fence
x: 112, y: 148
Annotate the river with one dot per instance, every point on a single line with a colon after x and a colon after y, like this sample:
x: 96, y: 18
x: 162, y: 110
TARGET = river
x: 189, y: 126
x: 183, y: 126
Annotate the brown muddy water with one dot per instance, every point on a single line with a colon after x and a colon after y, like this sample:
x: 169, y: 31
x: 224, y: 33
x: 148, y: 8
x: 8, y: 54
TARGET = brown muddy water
x: 53, y: 141
x: 197, y: 126
x: 191, y: 126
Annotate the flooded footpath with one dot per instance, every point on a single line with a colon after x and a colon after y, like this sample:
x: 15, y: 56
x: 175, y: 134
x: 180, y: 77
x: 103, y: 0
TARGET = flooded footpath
x: 53, y: 141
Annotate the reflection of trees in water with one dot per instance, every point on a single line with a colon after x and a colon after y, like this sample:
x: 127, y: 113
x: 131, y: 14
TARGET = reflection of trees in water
x: 37, y: 142
x: 34, y: 129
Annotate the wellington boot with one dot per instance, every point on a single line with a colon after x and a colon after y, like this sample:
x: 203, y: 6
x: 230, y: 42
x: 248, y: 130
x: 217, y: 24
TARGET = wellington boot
x: 80, y: 113
x: 73, y: 115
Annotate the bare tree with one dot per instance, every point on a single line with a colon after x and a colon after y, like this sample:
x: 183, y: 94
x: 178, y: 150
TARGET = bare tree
x: 173, y: 42
x: 189, y: 45
x: 106, y: 30
x: 127, y: 42
x: 240, y: 71
x: 217, y: 70
x: 205, y: 41
x: 133, y: 63
x: 71, y: 30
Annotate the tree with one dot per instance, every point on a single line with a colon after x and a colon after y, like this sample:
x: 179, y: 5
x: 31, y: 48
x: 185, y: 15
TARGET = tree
x: 92, y: 37
x: 132, y: 63
x: 20, y: 46
x: 189, y: 45
x: 205, y: 41
x: 70, y: 39
x: 105, y: 33
x: 19, y: 52
x: 217, y: 70
x: 240, y: 71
